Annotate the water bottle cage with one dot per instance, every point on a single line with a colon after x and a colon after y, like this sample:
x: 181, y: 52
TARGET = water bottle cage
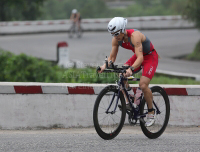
x: 140, y: 97
x: 132, y: 98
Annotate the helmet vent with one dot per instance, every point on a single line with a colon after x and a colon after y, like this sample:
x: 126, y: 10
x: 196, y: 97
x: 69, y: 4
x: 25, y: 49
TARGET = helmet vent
x: 112, y: 28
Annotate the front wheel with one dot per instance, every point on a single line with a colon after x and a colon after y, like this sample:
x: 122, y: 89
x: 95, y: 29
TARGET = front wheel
x: 107, y: 117
x: 162, y: 110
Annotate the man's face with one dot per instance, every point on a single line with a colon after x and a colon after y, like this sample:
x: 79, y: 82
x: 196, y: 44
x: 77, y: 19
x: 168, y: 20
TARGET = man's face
x: 118, y: 35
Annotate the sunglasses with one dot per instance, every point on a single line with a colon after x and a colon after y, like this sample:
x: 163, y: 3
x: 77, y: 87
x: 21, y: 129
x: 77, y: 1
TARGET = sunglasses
x: 116, y: 33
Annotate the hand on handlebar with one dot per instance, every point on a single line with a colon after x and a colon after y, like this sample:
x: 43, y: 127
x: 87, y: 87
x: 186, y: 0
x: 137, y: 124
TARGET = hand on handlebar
x: 101, y: 69
x: 110, y: 67
x: 128, y: 73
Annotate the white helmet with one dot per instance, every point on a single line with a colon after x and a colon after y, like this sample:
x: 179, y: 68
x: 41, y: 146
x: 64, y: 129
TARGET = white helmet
x: 116, y: 24
x: 74, y: 11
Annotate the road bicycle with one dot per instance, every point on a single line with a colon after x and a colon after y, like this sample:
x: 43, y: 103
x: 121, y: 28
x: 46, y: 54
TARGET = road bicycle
x: 109, y: 119
x: 74, y: 30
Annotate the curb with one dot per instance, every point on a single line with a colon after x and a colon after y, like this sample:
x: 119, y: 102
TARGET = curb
x: 179, y: 74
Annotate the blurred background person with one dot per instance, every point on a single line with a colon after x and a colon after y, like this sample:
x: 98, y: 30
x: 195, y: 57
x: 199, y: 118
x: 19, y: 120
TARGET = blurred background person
x: 76, y: 18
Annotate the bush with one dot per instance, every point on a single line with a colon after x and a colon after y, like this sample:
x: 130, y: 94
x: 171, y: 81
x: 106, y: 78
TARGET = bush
x: 23, y: 68
x: 195, y: 55
x: 4, y: 56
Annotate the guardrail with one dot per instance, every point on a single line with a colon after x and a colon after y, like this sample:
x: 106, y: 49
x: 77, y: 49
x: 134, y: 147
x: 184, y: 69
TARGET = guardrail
x: 145, y: 22
x: 47, y: 105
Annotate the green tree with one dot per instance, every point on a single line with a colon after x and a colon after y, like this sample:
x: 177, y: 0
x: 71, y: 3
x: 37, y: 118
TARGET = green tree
x: 192, y: 11
x: 20, y: 9
x: 93, y: 8
x: 144, y: 3
x: 3, y: 7
x: 54, y: 9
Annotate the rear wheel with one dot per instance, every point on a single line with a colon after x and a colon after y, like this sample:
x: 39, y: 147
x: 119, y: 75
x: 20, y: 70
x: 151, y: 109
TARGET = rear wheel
x: 109, y: 123
x: 162, y: 109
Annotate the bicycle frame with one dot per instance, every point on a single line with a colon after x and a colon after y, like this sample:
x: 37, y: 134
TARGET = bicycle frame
x: 121, y: 86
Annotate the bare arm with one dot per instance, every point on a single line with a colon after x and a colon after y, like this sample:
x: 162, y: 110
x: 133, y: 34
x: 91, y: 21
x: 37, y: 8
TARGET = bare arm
x: 113, y: 53
x: 136, y: 39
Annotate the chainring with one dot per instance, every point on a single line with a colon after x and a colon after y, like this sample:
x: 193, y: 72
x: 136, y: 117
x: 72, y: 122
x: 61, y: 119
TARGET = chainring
x: 131, y: 119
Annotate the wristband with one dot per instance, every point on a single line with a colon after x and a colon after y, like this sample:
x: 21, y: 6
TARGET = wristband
x: 132, y: 68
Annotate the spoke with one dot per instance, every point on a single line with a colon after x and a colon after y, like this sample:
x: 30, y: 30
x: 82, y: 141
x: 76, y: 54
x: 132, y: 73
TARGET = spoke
x: 117, y: 116
x: 103, y: 118
x: 162, y: 117
x: 103, y: 104
x: 160, y: 106
x: 102, y: 112
x: 114, y: 121
x: 108, y: 123
x: 102, y: 108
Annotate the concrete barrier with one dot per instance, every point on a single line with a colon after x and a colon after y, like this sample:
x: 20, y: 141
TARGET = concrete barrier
x: 47, y: 105
x: 142, y: 23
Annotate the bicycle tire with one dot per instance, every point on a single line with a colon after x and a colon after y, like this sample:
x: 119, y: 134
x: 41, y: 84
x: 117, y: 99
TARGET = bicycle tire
x: 107, y: 93
x: 158, y: 95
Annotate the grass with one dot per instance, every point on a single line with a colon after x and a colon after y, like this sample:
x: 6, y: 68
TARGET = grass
x: 168, y: 79
x: 173, y: 80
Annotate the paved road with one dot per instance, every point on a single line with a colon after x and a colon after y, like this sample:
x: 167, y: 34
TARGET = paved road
x: 94, y: 46
x: 174, y: 139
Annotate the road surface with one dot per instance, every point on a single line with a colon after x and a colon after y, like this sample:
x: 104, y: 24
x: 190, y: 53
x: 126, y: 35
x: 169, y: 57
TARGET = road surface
x: 94, y: 46
x: 174, y: 139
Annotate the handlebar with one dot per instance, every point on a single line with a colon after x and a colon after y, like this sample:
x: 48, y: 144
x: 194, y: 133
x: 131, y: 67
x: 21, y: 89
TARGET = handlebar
x: 113, y: 68
x: 116, y: 69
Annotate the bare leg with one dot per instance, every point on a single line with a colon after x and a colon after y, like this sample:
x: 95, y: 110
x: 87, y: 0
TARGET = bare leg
x: 144, y: 83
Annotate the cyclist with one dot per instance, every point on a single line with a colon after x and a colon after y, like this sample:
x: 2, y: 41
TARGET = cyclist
x: 145, y: 57
x: 76, y: 18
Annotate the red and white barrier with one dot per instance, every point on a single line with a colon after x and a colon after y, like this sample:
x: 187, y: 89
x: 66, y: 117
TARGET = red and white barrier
x: 100, y: 24
x: 89, y: 21
x: 90, y: 89
x: 44, y: 105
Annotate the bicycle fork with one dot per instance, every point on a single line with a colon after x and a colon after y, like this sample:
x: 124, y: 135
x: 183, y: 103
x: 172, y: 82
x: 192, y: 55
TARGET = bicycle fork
x: 115, y: 94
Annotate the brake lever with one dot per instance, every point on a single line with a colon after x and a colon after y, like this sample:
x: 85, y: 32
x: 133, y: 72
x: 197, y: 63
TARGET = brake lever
x: 106, y: 61
x: 112, y: 65
x: 125, y: 67
x: 98, y: 69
